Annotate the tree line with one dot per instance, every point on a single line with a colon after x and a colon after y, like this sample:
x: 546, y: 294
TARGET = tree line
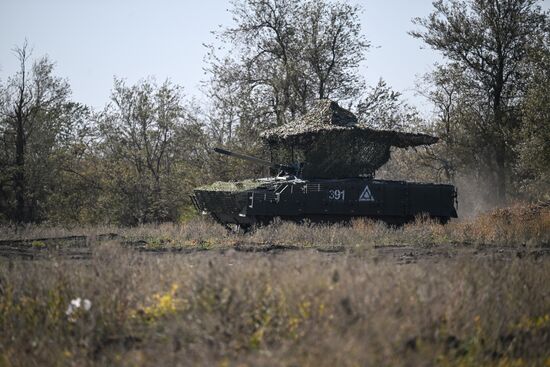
x: 137, y: 159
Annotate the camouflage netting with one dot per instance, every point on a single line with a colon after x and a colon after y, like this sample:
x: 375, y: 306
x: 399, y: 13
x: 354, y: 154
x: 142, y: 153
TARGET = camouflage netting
x: 335, y: 145
x: 231, y: 186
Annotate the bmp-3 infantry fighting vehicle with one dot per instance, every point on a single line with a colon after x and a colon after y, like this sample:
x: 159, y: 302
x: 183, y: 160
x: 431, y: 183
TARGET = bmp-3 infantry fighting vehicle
x: 335, y: 181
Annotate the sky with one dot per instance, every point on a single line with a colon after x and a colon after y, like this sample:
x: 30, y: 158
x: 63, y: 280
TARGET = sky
x: 92, y: 41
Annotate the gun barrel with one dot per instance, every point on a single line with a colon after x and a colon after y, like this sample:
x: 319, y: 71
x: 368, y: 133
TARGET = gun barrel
x: 288, y: 169
x: 243, y: 156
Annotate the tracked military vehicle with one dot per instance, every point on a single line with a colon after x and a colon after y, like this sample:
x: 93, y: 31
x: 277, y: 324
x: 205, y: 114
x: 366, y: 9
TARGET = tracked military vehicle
x: 333, y: 180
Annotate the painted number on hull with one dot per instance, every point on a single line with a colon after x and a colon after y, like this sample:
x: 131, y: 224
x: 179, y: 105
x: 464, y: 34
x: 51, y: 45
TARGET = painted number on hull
x: 336, y: 194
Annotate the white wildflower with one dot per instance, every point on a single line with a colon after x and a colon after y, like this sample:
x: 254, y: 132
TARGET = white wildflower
x: 76, y: 304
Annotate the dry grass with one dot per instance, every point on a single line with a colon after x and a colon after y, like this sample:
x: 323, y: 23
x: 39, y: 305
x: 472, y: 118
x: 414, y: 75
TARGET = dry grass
x: 515, y: 226
x: 296, y: 308
x: 291, y: 308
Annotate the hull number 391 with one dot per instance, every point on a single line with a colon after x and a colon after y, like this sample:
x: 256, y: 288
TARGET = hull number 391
x: 336, y: 194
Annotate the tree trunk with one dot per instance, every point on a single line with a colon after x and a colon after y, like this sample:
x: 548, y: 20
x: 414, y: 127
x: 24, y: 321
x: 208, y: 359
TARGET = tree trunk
x: 501, y: 172
x: 321, y: 89
x: 500, y: 143
x: 19, y: 175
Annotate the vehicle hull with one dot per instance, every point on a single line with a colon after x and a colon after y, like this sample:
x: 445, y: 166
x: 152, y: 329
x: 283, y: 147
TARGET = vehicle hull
x: 329, y: 200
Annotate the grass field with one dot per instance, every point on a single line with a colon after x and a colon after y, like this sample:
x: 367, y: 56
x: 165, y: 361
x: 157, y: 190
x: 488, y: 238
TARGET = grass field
x: 474, y: 292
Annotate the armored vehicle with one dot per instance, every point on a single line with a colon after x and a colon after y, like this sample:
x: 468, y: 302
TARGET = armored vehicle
x: 333, y: 181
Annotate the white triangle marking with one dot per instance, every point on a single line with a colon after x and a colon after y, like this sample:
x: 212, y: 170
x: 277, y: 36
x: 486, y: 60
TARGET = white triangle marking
x: 366, y: 195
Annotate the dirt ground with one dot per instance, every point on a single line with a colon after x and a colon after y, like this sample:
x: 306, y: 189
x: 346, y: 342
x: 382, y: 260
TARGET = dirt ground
x: 80, y: 247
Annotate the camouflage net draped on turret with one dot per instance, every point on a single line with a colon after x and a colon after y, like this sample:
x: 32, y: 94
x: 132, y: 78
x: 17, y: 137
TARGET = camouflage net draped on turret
x: 335, y: 145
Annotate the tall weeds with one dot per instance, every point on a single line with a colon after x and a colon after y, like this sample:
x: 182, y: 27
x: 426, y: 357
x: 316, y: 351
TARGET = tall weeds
x: 515, y: 226
x: 296, y: 308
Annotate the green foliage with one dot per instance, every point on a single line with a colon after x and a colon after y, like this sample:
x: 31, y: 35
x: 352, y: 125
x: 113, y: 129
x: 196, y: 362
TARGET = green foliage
x: 478, y: 92
x: 36, y: 121
x: 145, y: 147
x: 381, y: 107
x: 298, y: 51
x: 533, y: 145
x: 187, y: 214
x: 38, y: 244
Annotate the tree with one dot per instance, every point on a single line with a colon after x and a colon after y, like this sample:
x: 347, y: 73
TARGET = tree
x: 533, y: 148
x: 284, y: 55
x: 486, y: 43
x: 35, y: 111
x: 383, y: 108
x: 149, y: 151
